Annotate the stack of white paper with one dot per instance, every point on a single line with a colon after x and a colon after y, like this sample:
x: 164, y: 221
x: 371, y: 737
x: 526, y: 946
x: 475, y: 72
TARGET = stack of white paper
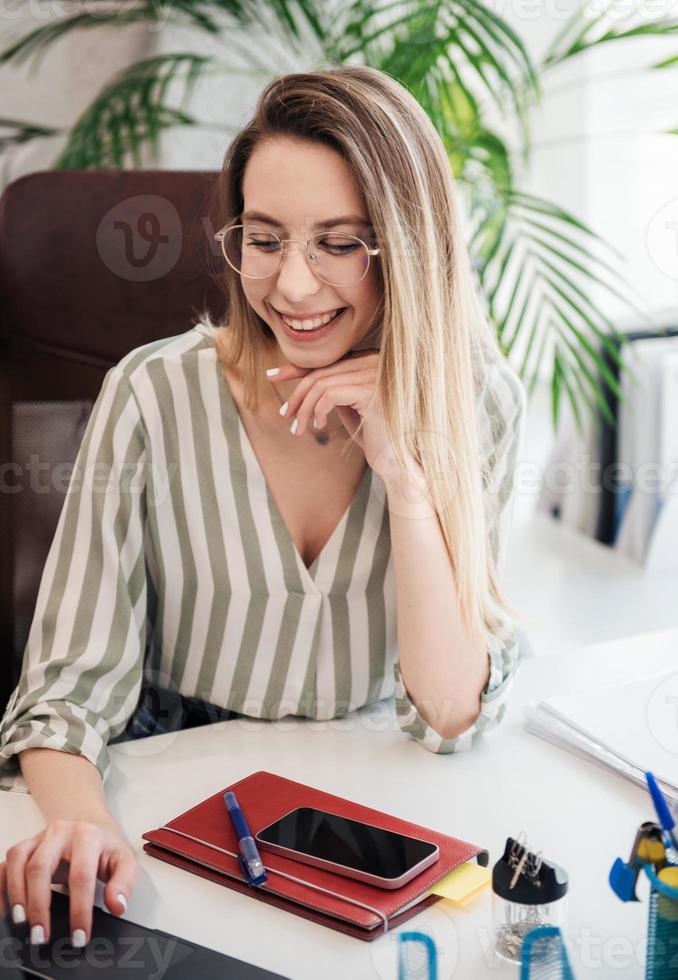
x: 630, y: 728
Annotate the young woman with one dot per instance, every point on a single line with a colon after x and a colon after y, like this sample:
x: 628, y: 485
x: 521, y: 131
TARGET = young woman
x: 289, y: 490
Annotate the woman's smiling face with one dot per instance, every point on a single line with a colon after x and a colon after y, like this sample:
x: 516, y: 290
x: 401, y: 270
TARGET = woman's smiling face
x: 300, y: 184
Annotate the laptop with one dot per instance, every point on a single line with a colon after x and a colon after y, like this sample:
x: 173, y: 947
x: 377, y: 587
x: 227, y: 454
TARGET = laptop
x: 117, y: 947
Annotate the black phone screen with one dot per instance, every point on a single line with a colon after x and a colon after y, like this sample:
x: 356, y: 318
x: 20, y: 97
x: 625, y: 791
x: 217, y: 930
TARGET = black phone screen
x: 348, y: 842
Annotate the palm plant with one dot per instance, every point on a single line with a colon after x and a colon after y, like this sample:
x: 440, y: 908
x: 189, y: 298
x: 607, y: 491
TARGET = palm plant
x: 536, y: 263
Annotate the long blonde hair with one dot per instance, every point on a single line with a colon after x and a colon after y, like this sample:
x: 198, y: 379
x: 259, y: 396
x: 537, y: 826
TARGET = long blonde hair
x: 435, y: 341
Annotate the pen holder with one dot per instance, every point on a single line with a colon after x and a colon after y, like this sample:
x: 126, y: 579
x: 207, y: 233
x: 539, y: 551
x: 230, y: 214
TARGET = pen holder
x: 417, y: 957
x: 544, y: 956
x: 662, y: 930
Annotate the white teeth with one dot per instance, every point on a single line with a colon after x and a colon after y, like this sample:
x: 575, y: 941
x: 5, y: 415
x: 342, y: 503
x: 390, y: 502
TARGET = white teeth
x: 309, y: 324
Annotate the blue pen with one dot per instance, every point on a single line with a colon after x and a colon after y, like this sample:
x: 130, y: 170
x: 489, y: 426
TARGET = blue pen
x: 665, y: 819
x: 250, y: 863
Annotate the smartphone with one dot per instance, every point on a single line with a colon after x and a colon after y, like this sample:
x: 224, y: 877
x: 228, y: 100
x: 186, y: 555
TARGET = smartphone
x: 348, y: 847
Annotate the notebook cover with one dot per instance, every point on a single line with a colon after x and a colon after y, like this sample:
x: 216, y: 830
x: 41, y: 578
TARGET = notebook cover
x: 265, y: 797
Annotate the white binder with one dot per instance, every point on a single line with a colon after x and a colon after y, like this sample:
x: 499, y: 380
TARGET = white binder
x: 648, y: 454
x: 662, y: 552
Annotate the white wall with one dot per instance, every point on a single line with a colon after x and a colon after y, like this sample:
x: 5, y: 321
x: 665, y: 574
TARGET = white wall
x: 599, y: 149
x: 224, y: 98
x: 57, y: 90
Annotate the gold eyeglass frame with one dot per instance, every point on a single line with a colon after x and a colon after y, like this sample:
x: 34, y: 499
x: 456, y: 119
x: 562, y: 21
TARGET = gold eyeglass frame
x: 219, y: 236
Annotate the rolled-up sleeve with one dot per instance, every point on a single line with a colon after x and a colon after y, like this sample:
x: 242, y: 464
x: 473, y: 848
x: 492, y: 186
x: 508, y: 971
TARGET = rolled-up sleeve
x: 502, y: 408
x: 82, y: 665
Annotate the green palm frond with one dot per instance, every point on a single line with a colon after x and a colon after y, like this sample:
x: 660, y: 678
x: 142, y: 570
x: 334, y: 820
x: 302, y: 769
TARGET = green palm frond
x: 306, y: 11
x: 671, y: 62
x: 473, y: 149
x: 582, y: 32
x: 536, y: 267
x: 211, y: 16
x: 463, y: 38
x: 207, y: 15
x: 36, y: 43
x: 666, y: 63
x: 22, y: 132
x: 130, y: 111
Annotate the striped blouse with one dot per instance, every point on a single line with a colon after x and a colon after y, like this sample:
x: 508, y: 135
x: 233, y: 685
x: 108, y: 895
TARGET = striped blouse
x: 171, y: 563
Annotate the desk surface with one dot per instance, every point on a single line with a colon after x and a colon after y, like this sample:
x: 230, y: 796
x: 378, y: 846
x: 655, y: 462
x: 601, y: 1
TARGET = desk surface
x: 579, y: 815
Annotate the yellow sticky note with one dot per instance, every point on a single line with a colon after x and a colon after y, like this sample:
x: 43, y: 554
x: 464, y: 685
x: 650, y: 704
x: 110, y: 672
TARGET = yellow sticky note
x: 463, y: 884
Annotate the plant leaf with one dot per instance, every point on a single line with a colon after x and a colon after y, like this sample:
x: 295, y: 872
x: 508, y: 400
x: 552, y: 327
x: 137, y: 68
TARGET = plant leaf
x: 130, y: 110
x: 590, y: 32
x: 23, y: 132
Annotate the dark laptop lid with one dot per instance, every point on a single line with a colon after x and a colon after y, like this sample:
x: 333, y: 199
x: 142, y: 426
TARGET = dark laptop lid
x: 116, y: 947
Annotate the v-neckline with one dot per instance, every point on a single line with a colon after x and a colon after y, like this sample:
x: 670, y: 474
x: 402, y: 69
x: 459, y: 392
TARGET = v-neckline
x: 247, y: 447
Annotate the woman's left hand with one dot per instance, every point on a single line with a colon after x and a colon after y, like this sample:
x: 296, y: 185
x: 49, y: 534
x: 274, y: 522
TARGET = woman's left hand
x: 349, y: 387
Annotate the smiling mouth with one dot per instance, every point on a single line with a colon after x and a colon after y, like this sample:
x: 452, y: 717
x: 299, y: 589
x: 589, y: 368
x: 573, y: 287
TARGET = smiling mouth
x: 300, y: 329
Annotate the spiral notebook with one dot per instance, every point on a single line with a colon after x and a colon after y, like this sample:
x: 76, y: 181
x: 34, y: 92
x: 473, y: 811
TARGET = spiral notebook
x: 202, y: 841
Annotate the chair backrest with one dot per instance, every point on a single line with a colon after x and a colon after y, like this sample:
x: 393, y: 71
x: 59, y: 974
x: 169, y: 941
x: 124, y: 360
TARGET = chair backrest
x: 92, y: 265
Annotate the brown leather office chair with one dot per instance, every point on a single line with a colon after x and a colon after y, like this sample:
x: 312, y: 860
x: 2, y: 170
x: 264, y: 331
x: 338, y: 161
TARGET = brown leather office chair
x: 92, y: 265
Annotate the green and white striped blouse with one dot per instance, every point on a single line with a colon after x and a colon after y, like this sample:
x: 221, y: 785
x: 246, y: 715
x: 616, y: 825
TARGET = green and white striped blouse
x: 171, y: 560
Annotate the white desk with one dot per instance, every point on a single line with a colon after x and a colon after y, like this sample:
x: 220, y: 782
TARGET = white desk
x: 579, y: 815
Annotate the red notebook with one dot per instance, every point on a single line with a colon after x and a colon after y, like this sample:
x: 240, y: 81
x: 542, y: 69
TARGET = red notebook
x: 360, y: 910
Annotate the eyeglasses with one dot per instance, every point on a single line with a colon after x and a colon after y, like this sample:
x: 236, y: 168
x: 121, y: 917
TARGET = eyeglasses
x: 257, y: 253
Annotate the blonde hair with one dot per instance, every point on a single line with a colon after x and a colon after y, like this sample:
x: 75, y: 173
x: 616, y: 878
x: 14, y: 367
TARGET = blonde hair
x: 435, y: 341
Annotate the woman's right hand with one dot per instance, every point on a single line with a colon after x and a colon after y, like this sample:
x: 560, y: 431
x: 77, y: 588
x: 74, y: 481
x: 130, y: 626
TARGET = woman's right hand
x: 73, y: 852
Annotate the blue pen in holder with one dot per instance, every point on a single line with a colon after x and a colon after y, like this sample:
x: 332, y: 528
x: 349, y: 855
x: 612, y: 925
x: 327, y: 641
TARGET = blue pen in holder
x: 662, y: 930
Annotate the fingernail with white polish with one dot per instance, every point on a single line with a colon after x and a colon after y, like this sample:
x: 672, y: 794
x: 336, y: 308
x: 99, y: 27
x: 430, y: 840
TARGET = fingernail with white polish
x: 18, y: 914
x: 293, y: 427
x: 315, y: 423
x: 78, y: 938
x: 123, y: 901
x: 37, y: 935
x: 283, y: 408
x: 272, y: 371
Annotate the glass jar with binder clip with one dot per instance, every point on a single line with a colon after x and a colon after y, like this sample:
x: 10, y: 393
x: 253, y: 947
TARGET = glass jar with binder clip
x: 528, y: 892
